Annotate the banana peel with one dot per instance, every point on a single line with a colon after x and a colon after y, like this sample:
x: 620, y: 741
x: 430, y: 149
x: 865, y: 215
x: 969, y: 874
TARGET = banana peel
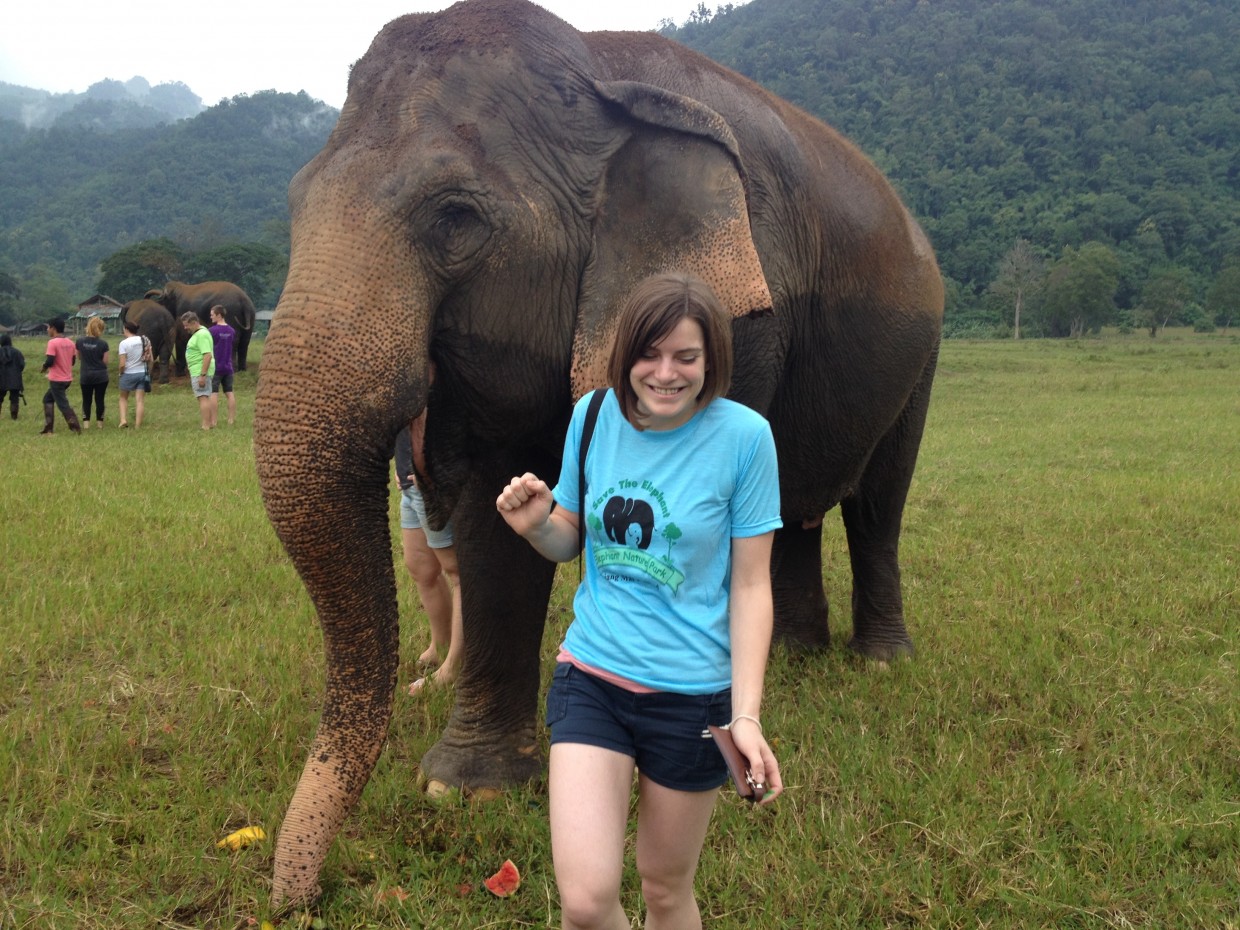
x: 239, y: 839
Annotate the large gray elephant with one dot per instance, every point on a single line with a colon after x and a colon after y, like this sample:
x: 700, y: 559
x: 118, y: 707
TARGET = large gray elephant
x: 200, y: 298
x: 496, y: 184
x: 156, y: 323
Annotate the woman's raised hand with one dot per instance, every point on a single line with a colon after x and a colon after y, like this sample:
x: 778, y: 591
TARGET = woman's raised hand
x: 525, y: 503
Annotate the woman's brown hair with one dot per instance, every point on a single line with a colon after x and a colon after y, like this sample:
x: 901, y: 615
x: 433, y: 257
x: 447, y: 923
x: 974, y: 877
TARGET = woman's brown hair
x: 94, y: 327
x: 654, y: 308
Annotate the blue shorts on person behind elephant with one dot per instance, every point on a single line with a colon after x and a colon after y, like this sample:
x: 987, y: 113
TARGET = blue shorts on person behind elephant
x: 413, y: 517
x: 664, y: 733
x: 132, y: 381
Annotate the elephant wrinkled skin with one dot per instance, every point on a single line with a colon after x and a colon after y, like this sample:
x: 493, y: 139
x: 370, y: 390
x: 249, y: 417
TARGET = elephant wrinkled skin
x: 497, y: 182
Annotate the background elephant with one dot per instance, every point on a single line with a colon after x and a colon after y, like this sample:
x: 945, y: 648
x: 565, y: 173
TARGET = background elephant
x: 156, y: 323
x: 496, y: 184
x: 200, y: 298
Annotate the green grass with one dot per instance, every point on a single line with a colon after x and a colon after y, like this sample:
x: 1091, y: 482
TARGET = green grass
x: 1063, y: 752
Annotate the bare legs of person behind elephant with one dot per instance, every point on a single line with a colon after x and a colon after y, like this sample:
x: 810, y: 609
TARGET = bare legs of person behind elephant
x: 431, y: 560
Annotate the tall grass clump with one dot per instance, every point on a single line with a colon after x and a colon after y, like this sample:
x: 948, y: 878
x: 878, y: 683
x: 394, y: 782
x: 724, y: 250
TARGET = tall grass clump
x: 1064, y: 751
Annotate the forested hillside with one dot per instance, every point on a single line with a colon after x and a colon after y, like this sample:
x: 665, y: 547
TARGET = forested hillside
x: 1077, y: 158
x: 1064, y: 123
x: 72, y: 196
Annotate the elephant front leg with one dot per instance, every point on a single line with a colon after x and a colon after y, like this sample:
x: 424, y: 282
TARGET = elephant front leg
x: 796, y: 585
x: 491, y: 738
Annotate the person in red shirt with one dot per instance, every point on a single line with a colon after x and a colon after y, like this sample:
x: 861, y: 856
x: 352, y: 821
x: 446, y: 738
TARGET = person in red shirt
x: 58, y: 364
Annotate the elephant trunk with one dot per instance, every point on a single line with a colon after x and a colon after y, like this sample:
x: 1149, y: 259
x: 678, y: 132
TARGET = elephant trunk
x: 330, y: 399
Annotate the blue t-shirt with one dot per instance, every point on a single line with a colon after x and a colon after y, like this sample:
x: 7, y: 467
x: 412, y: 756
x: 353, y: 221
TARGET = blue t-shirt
x: 663, y: 509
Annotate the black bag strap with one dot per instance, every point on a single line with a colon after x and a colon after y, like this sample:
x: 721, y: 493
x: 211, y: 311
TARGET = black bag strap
x: 587, y: 430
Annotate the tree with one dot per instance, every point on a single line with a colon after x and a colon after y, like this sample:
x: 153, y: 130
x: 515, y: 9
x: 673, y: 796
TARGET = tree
x: 1223, y: 298
x: 1080, y: 291
x: 257, y: 269
x: 43, y: 296
x: 131, y: 272
x: 1021, y: 275
x: 671, y: 533
x: 10, y: 290
x: 1166, y: 293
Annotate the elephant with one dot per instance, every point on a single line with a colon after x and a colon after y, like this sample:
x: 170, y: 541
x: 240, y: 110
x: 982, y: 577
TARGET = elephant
x: 496, y: 184
x: 157, y: 324
x: 624, y: 515
x: 200, y: 298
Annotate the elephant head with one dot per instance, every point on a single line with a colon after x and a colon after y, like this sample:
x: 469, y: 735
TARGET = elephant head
x: 485, y: 201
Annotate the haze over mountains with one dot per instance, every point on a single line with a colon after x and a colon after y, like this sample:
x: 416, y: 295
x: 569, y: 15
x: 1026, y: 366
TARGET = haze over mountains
x: 107, y: 105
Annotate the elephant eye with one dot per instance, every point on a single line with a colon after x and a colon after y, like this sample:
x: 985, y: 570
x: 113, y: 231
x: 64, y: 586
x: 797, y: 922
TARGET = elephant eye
x: 457, y: 232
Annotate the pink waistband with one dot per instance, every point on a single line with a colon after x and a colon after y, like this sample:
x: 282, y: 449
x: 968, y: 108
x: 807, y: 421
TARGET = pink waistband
x: 609, y: 677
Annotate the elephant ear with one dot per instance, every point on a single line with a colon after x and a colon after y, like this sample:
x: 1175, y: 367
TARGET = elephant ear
x: 671, y: 198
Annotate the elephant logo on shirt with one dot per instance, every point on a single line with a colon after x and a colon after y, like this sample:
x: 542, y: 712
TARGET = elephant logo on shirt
x: 629, y: 522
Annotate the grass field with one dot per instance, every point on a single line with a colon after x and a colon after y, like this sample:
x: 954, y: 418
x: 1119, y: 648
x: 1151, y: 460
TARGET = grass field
x: 1063, y: 752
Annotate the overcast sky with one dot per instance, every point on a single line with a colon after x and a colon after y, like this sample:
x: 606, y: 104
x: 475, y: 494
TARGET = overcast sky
x: 221, y: 48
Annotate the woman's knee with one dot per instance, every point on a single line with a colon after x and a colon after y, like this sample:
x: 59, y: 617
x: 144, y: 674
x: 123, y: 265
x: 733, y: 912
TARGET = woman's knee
x: 588, y: 906
x: 423, y: 566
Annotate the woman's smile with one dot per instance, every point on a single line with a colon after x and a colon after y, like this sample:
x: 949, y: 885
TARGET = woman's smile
x: 668, y: 377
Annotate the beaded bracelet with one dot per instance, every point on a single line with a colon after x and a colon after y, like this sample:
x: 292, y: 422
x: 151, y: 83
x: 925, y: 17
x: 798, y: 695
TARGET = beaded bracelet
x: 746, y: 717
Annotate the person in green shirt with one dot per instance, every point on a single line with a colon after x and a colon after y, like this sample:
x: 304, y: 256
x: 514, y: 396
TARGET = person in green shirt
x: 200, y: 361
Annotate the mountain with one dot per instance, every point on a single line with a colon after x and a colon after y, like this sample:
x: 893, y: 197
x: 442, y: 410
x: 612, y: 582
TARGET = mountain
x: 107, y: 106
x: 86, y: 186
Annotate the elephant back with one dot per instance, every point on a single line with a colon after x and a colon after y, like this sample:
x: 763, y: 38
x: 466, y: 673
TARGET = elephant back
x: 199, y: 298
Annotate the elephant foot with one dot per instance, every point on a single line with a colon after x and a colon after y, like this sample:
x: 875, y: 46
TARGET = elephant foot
x: 884, y: 651
x: 803, y: 637
x: 801, y: 620
x: 482, y: 766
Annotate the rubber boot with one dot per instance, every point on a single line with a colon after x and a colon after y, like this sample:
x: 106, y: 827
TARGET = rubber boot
x: 72, y: 419
x: 49, y: 418
x: 13, y: 408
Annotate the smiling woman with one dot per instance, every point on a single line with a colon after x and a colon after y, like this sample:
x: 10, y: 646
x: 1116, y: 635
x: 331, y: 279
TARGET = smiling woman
x: 678, y: 356
x: 659, y: 644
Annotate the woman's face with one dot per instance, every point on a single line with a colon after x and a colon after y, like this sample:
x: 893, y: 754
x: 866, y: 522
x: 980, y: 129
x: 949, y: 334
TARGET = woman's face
x: 668, y: 377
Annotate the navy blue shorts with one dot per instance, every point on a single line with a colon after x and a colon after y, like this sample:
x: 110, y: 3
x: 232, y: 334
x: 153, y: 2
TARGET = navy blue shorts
x: 665, y: 734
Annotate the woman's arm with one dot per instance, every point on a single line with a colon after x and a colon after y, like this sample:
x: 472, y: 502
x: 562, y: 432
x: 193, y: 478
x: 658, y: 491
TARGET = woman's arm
x: 527, y: 506
x: 751, y: 614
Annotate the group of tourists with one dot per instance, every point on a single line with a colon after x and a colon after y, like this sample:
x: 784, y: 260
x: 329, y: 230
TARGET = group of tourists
x: 208, y: 357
